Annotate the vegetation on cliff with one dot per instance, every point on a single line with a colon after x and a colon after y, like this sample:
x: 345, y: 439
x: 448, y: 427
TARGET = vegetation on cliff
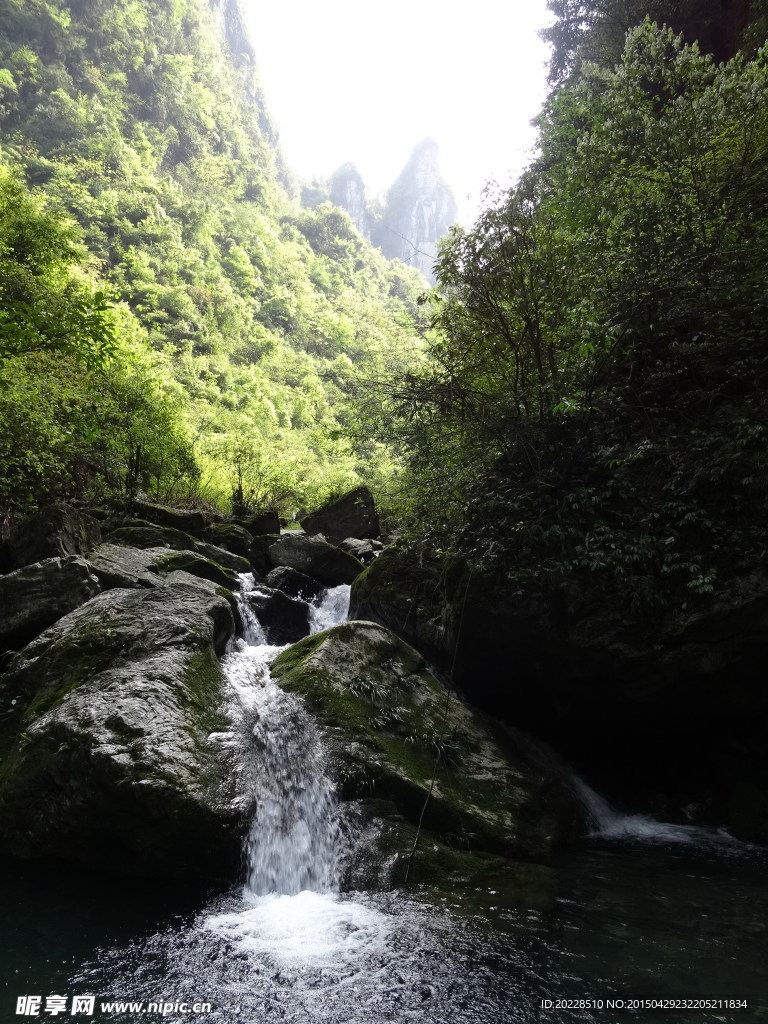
x: 170, y: 319
x: 595, y: 405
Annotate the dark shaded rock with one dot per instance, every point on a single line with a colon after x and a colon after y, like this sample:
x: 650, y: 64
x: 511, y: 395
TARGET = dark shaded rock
x: 284, y: 618
x: 365, y: 550
x: 259, y: 556
x: 232, y: 537
x: 317, y: 559
x: 351, y: 515
x: 385, y: 718
x: 53, y: 532
x: 294, y: 583
x: 414, y: 597
x: 266, y: 521
x: 188, y: 521
x: 36, y: 596
x: 106, y: 756
x: 662, y: 712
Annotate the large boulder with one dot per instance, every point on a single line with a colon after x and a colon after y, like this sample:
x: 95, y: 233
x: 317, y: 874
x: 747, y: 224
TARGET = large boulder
x: 150, y: 536
x: 415, y: 597
x: 397, y: 738
x: 294, y: 583
x: 265, y: 521
x: 317, y: 559
x: 118, y: 566
x: 53, y: 532
x: 189, y: 521
x: 234, y: 537
x: 36, y: 596
x: 351, y: 515
x: 105, y: 750
x: 284, y: 619
x: 258, y: 554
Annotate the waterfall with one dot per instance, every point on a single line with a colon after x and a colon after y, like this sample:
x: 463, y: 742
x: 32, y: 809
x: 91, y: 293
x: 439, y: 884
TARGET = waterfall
x: 612, y: 824
x: 295, y: 838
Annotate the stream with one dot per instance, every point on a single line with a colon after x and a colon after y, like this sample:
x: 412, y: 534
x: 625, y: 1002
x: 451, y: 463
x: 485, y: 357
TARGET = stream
x: 639, y: 910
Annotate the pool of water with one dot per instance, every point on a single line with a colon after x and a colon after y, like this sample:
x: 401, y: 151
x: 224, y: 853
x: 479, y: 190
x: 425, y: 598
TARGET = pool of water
x: 613, y: 919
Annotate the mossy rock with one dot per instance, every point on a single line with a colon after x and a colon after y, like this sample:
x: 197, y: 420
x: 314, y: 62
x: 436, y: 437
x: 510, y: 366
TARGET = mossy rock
x: 106, y: 754
x: 395, y: 733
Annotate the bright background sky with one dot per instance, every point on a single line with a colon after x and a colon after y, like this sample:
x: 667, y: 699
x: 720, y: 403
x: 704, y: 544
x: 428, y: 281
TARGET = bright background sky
x: 347, y: 80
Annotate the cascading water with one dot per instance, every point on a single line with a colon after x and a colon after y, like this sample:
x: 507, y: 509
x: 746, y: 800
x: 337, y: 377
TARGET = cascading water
x: 612, y: 824
x: 295, y: 839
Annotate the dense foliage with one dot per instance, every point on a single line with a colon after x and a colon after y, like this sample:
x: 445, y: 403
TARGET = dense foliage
x: 170, y: 319
x: 597, y: 401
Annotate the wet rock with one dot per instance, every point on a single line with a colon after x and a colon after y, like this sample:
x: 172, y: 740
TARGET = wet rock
x: 315, y: 558
x: 294, y: 583
x: 106, y: 756
x: 284, y: 618
x: 351, y: 515
x: 36, y: 596
x: 53, y: 532
x: 395, y: 734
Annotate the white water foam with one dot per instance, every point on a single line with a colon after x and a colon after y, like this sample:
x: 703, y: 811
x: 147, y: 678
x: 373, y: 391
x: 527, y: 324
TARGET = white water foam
x: 612, y: 824
x: 331, y: 610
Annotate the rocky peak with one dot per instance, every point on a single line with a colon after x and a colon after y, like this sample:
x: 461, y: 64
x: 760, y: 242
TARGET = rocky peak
x: 419, y: 210
x: 348, y: 192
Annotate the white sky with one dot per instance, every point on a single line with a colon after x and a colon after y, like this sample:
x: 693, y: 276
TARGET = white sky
x: 347, y: 80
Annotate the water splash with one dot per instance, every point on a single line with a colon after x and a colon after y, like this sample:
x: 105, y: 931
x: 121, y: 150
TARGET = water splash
x: 609, y: 823
x: 331, y: 610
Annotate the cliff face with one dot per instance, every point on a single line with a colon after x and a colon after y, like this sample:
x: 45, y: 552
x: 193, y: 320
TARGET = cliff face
x: 420, y: 208
x: 348, y: 192
x: 233, y: 29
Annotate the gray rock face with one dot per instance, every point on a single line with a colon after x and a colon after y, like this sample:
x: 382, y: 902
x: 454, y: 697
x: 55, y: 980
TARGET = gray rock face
x: 119, y: 566
x: 365, y: 550
x: 351, y: 515
x: 348, y: 192
x: 316, y: 558
x: 53, y: 532
x: 420, y: 209
x: 386, y: 719
x: 192, y: 522
x: 36, y: 596
x: 106, y: 757
x: 266, y: 521
x: 150, y: 536
x: 294, y: 583
x: 233, y: 537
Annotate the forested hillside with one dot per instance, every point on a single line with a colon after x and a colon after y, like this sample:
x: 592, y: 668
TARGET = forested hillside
x: 172, y: 321
x: 596, y: 402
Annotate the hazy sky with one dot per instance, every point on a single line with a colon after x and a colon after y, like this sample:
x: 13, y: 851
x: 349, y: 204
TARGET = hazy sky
x: 364, y: 82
